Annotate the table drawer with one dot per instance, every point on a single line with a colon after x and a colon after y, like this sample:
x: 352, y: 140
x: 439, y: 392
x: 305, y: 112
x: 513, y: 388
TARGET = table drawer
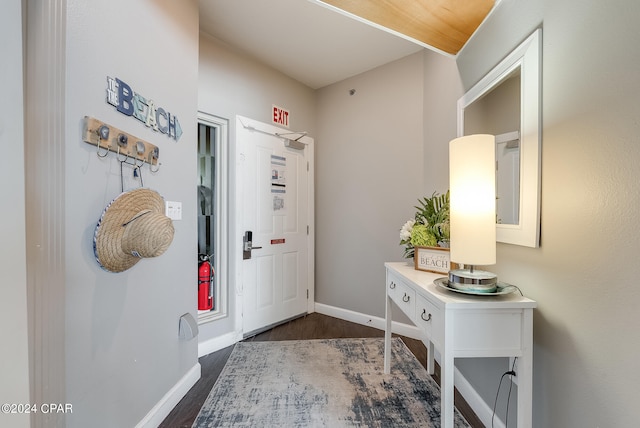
x: 403, y: 296
x: 429, y: 319
x: 490, y: 329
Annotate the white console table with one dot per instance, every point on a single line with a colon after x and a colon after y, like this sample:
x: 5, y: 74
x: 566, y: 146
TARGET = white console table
x: 460, y: 326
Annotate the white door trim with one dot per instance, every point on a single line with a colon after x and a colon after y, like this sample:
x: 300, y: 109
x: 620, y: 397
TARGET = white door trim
x: 221, y: 208
x: 311, y: 210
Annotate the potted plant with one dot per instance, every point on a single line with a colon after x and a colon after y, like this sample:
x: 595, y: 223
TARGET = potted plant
x: 429, y: 227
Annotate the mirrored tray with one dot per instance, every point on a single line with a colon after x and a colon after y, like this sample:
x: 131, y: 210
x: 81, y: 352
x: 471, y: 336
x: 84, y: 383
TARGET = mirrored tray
x: 502, y: 288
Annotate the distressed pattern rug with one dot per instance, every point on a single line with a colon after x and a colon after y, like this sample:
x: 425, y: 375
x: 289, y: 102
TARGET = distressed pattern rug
x: 322, y: 383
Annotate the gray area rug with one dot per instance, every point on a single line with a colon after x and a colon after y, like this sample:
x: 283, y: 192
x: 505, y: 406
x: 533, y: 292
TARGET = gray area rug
x: 322, y: 383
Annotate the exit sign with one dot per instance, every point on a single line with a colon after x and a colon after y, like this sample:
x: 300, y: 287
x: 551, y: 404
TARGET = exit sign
x: 280, y: 116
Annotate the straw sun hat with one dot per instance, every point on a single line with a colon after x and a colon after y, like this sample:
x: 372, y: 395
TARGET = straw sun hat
x: 133, y: 226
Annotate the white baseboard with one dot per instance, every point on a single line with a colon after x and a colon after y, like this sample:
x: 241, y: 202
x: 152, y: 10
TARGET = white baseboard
x: 471, y: 396
x: 371, y: 321
x: 160, y: 411
x: 218, y: 343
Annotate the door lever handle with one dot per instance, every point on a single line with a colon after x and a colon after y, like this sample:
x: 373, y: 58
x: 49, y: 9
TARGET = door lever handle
x: 247, y: 245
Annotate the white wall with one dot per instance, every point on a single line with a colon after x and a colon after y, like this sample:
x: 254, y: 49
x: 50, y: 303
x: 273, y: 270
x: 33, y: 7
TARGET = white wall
x: 14, y: 370
x: 369, y: 175
x: 584, y: 275
x: 230, y: 84
x: 122, y: 348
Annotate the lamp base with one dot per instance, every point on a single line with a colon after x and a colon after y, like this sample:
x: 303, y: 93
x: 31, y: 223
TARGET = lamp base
x: 479, y: 281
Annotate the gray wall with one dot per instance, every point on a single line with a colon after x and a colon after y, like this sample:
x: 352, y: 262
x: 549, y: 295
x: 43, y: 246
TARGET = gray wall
x: 231, y: 83
x: 122, y: 348
x: 14, y: 370
x: 377, y: 153
x: 369, y: 175
x: 584, y: 275
x: 442, y: 88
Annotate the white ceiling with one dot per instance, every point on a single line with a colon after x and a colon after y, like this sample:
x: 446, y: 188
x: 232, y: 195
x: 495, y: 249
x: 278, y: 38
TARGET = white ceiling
x: 301, y: 38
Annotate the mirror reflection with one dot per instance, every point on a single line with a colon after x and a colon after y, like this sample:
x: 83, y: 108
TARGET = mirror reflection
x: 498, y: 113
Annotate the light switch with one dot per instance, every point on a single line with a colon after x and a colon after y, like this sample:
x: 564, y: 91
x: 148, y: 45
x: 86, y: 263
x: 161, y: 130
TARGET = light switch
x: 173, y: 210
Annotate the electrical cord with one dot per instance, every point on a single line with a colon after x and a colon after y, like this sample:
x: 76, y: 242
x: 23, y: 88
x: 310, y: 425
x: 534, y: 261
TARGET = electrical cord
x: 495, y: 403
x: 516, y: 287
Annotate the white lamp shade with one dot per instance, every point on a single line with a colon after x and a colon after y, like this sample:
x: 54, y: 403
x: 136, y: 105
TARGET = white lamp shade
x: 472, y: 181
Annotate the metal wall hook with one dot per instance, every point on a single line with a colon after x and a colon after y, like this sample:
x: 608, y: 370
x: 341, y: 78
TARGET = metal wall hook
x: 98, y: 146
x: 133, y: 162
x: 153, y: 156
x: 137, y: 173
x: 118, y: 155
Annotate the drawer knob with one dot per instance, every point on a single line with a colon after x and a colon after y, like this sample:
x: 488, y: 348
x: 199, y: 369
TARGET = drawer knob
x: 405, y: 298
x: 424, y: 311
x: 392, y: 285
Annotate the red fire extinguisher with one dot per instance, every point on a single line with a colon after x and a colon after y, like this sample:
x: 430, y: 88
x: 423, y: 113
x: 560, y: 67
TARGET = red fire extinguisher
x: 205, y: 281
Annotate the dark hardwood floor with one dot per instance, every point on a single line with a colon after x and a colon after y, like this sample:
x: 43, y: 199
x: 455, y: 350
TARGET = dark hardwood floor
x: 312, y: 326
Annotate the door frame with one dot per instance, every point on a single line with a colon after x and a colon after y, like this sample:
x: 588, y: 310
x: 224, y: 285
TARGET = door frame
x: 221, y: 259
x: 236, y: 226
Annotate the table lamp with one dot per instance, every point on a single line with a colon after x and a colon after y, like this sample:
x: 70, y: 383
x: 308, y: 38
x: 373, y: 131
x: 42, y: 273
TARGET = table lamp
x: 472, y: 181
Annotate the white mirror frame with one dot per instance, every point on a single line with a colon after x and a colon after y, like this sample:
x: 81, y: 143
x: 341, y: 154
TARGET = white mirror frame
x: 527, y: 57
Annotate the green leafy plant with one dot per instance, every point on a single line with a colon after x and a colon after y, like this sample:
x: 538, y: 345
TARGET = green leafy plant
x: 430, y: 225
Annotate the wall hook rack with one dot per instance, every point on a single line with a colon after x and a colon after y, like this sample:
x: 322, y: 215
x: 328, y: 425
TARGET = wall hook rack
x: 107, y: 138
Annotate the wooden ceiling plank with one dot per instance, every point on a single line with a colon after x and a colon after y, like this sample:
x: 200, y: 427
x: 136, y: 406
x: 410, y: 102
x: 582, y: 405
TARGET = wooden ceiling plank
x: 443, y: 24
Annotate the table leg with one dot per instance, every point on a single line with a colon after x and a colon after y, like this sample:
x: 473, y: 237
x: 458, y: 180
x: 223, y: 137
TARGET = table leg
x: 524, y: 372
x: 446, y: 373
x: 446, y: 389
x: 387, y: 336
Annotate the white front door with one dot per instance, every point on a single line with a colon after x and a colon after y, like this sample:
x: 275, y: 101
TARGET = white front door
x: 274, y: 219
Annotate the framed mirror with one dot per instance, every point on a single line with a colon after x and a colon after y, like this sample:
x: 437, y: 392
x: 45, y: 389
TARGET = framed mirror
x: 506, y: 103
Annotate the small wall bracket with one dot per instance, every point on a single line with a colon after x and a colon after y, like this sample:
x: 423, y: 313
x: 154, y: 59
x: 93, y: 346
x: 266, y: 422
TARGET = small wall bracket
x: 187, y: 327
